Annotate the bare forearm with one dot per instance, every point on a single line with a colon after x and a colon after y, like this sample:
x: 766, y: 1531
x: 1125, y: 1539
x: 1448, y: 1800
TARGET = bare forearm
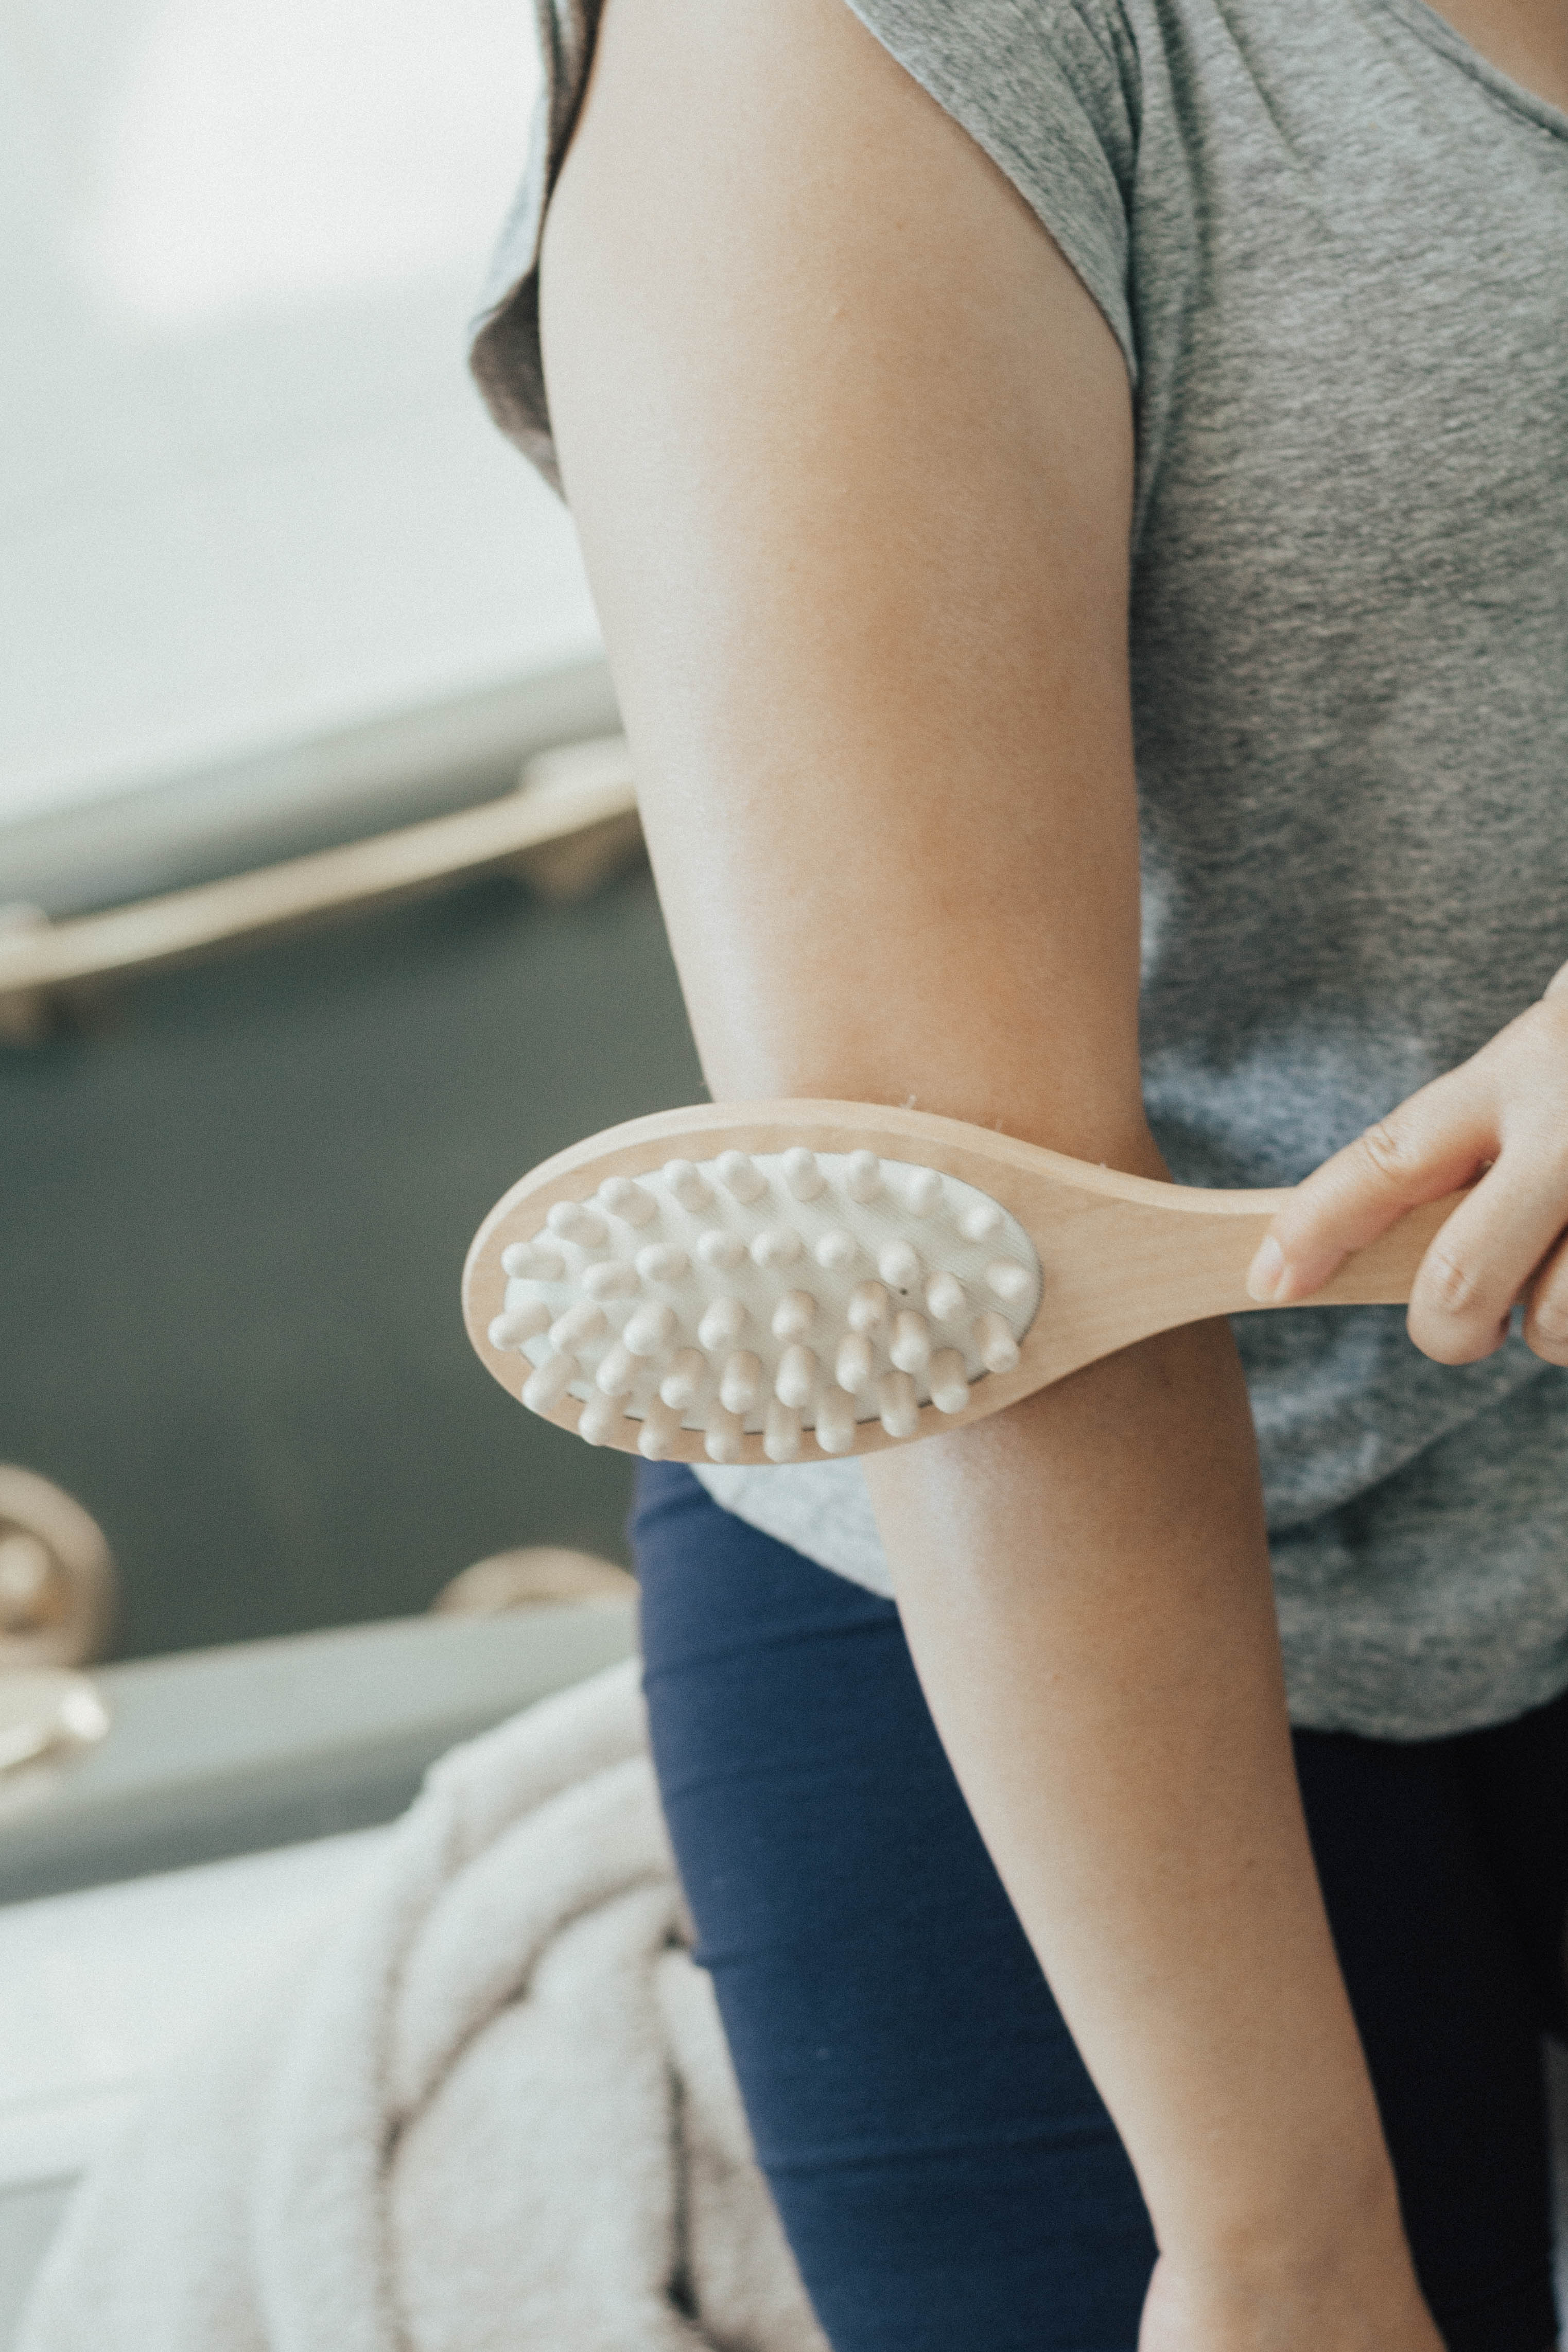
x: 1085, y: 1586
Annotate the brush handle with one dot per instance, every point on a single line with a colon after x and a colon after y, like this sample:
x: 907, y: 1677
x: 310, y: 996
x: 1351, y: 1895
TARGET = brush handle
x: 1141, y: 1257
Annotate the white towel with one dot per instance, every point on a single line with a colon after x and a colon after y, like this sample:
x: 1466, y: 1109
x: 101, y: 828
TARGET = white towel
x: 495, y: 2112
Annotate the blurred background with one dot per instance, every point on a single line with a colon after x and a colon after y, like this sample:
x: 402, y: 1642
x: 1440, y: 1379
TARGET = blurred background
x: 271, y: 582
x: 283, y: 623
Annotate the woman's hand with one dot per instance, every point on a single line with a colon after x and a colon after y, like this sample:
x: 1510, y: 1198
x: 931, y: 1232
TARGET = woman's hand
x: 1498, y: 1124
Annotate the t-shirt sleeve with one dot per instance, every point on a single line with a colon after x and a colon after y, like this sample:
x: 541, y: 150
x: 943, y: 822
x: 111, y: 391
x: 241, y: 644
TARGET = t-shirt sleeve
x: 505, y: 353
x: 1048, y: 87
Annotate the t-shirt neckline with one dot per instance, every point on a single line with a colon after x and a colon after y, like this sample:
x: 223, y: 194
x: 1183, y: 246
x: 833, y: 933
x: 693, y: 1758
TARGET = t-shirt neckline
x: 1434, y: 30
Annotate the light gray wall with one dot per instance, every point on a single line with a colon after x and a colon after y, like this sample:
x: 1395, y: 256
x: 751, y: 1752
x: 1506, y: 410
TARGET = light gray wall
x: 28, y: 2219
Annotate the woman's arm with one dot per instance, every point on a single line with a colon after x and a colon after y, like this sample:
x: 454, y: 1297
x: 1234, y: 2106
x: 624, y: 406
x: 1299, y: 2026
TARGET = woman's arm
x: 850, y: 451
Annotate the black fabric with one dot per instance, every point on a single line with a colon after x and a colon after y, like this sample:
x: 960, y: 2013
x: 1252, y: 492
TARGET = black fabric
x: 943, y: 2166
x: 1445, y: 1868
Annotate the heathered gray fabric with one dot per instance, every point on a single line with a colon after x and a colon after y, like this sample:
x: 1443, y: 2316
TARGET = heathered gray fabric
x: 1332, y: 244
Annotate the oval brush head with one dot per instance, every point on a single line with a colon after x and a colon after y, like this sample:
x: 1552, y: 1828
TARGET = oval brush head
x: 790, y: 1297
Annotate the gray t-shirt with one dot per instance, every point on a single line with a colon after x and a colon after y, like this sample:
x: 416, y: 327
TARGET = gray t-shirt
x: 1332, y: 244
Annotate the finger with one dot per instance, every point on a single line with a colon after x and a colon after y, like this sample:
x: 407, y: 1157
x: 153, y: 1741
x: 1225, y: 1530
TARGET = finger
x: 1546, y: 1318
x: 1484, y: 1257
x: 1431, y: 1144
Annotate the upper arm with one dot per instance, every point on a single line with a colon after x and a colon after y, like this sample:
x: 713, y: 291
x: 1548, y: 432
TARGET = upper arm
x: 850, y: 451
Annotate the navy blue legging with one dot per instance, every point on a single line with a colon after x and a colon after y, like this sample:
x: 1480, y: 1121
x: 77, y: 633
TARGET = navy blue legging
x: 945, y: 2172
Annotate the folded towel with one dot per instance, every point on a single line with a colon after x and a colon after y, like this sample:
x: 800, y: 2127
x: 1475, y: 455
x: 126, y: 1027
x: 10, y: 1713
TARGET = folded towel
x: 493, y: 2113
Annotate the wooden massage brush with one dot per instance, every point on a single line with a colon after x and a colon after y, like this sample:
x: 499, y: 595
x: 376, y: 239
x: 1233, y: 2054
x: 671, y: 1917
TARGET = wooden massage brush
x: 778, y: 1281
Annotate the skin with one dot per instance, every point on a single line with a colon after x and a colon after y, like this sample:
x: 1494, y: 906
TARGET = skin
x: 849, y: 449
x: 1494, y: 1124
x: 1528, y: 39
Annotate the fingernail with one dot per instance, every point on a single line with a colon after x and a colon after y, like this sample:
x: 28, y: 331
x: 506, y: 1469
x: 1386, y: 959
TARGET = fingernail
x: 1265, y: 1272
